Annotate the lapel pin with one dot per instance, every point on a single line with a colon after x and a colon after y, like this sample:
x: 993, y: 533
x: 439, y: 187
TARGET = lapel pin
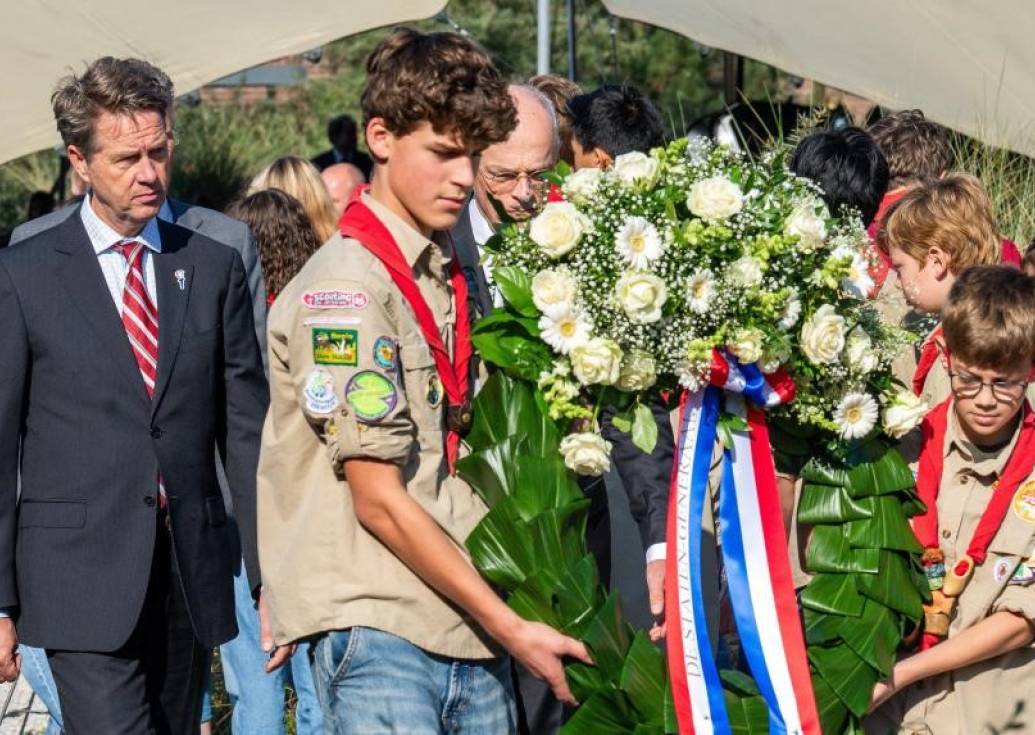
x: 181, y: 278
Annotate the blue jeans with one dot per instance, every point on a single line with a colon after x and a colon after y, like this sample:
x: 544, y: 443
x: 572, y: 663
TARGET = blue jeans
x: 258, y: 697
x: 370, y: 682
x: 36, y: 670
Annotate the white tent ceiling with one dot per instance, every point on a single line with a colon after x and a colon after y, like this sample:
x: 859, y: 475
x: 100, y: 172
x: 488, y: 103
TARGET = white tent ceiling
x: 969, y: 65
x: 194, y: 41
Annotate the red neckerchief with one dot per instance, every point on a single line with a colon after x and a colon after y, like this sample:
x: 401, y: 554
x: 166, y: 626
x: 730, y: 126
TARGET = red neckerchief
x: 359, y: 223
x: 881, y: 264
x: 928, y: 481
x: 929, y: 354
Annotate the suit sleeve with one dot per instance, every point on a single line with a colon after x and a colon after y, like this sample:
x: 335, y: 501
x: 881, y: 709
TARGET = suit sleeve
x: 257, y: 288
x: 644, y: 476
x: 14, y: 361
x: 246, y: 399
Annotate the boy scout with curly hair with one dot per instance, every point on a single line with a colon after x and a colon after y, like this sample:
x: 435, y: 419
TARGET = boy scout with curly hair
x: 362, y: 521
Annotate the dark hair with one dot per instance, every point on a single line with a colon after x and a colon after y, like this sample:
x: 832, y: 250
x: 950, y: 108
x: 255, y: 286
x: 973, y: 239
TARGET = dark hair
x: 989, y: 319
x: 917, y: 149
x: 849, y: 167
x: 341, y: 126
x: 283, y: 232
x: 617, y: 120
x: 40, y: 203
x: 444, y: 79
x: 118, y: 86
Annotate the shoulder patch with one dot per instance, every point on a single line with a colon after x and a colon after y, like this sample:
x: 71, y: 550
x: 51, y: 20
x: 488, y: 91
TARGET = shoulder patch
x: 371, y: 395
x: 335, y: 346
x: 334, y: 299
x: 385, y: 353
x: 319, y: 392
x: 1024, y: 502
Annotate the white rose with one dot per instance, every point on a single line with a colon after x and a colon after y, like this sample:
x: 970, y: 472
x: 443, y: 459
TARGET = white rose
x: 581, y: 185
x: 788, y: 316
x: 809, y: 227
x: 641, y: 296
x: 777, y: 351
x: 859, y: 351
x: 747, y: 345
x: 636, y: 168
x: 904, y: 413
x: 551, y: 288
x: 746, y: 271
x: 596, y: 361
x: 638, y: 372
x: 715, y: 199
x: 558, y: 228
x: 586, y: 453
x: 823, y: 336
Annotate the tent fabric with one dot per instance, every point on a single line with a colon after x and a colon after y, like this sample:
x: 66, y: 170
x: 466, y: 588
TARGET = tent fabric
x: 968, y: 65
x: 194, y: 41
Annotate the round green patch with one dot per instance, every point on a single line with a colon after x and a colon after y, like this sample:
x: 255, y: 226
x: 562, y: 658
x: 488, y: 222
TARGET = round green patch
x: 371, y: 395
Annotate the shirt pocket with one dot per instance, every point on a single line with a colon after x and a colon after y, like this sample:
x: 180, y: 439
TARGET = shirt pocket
x: 425, y: 392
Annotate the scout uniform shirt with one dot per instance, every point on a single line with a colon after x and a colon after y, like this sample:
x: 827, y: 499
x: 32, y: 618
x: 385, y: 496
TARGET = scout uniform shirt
x: 983, y: 697
x: 351, y: 376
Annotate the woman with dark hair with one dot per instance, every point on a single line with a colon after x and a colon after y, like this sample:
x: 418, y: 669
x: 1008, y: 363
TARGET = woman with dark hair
x: 283, y: 232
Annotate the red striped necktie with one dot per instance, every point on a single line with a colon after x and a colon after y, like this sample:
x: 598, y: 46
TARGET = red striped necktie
x: 140, y: 318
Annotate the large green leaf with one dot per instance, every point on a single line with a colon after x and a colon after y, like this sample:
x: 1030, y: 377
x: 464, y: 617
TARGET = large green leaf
x: 894, y: 586
x: 533, y: 599
x: 874, y: 636
x: 540, y: 484
x: 509, y: 347
x: 830, y: 551
x: 850, y: 677
x: 888, y: 528
x: 579, y: 595
x: 875, y: 470
x: 822, y: 628
x: 608, y: 638
x: 739, y: 683
x: 832, y: 711
x: 834, y: 593
x: 828, y: 504
x: 747, y: 715
x: 644, y: 428
x: 607, y: 712
x: 506, y: 408
x: 516, y: 287
x: 643, y: 679
x: 490, y: 471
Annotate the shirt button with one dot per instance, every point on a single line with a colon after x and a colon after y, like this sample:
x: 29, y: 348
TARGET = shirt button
x: 946, y: 533
x: 149, y: 501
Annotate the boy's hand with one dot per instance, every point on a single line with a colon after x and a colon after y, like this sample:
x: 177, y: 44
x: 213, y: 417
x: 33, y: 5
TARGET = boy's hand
x: 541, y: 649
x: 882, y: 692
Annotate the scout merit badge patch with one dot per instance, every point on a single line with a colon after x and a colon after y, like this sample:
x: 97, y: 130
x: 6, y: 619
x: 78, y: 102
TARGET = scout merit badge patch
x: 435, y: 391
x: 335, y: 299
x: 319, y: 392
x: 335, y: 346
x: 371, y: 395
x: 1024, y: 502
x: 384, y: 353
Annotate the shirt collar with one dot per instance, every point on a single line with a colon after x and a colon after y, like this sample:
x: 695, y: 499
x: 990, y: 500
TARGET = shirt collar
x: 166, y: 213
x: 481, y: 230
x: 102, y: 237
x: 412, y: 243
x: 979, y: 460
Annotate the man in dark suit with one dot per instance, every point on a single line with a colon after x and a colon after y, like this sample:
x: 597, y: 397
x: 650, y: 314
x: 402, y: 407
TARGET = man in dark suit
x: 343, y: 136
x: 509, y: 174
x: 129, y: 357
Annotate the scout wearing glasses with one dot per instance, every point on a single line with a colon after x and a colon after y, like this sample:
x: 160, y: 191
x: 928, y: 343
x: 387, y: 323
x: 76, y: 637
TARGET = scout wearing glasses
x: 977, y: 479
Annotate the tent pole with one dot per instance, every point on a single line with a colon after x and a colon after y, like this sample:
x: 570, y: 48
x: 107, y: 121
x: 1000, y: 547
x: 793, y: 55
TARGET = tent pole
x: 572, y: 69
x: 543, y: 37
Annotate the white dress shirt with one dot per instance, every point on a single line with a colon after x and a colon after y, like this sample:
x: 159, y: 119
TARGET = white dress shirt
x: 481, y: 230
x: 113, y: 265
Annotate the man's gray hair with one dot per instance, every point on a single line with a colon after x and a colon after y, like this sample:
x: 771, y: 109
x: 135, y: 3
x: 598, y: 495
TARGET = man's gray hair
x: 551, y: 113
x: 118, y: 86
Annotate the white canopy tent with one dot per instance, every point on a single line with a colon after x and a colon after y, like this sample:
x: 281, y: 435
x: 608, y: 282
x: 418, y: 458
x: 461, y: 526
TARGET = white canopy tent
x: 194, y: 41
x: 968, y: 65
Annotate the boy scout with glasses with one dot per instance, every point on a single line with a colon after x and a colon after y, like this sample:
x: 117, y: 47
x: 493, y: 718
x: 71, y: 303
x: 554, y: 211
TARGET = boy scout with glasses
x: 362, y: 521
x: 976, y: 477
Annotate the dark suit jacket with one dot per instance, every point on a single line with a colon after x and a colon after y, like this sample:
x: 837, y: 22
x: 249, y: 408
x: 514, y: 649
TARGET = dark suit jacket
x: 645, y: 476
x: 358, y: 158
x: 75, y: 548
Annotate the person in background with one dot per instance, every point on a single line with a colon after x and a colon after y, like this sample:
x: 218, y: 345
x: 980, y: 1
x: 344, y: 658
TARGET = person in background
x: 299, y: 178
x: 611, y: 121
x: 560, y: 90
x: 342, y: 134
x: 40, y: 203
x: 341, y: 180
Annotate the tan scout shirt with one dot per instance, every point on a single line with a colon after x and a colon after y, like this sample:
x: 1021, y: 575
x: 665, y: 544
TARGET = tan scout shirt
x: 351, y: 376
x: 981, y: 698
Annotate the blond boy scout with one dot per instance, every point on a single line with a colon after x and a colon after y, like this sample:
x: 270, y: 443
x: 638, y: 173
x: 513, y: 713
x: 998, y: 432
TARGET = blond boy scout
x: 979, y: 678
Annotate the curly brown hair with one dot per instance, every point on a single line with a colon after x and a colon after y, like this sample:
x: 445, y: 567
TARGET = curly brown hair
x: 917, y: 149
x: 441, y: 78
x: 283, y: 232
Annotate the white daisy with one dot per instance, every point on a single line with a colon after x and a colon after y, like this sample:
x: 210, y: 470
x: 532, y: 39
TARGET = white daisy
x: 563, y: 327
x: 858, y: 282
x: 856, y: 415
x: 639, y: 243
x: 700, y: 290
x: 791, y: 312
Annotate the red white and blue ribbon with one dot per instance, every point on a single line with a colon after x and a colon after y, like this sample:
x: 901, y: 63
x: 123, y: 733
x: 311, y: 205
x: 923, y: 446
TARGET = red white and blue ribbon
x: 754, y: 553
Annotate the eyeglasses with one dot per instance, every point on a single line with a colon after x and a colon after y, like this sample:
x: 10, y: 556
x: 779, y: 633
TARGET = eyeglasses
x: 965, y: 385
x: 506, y: 181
